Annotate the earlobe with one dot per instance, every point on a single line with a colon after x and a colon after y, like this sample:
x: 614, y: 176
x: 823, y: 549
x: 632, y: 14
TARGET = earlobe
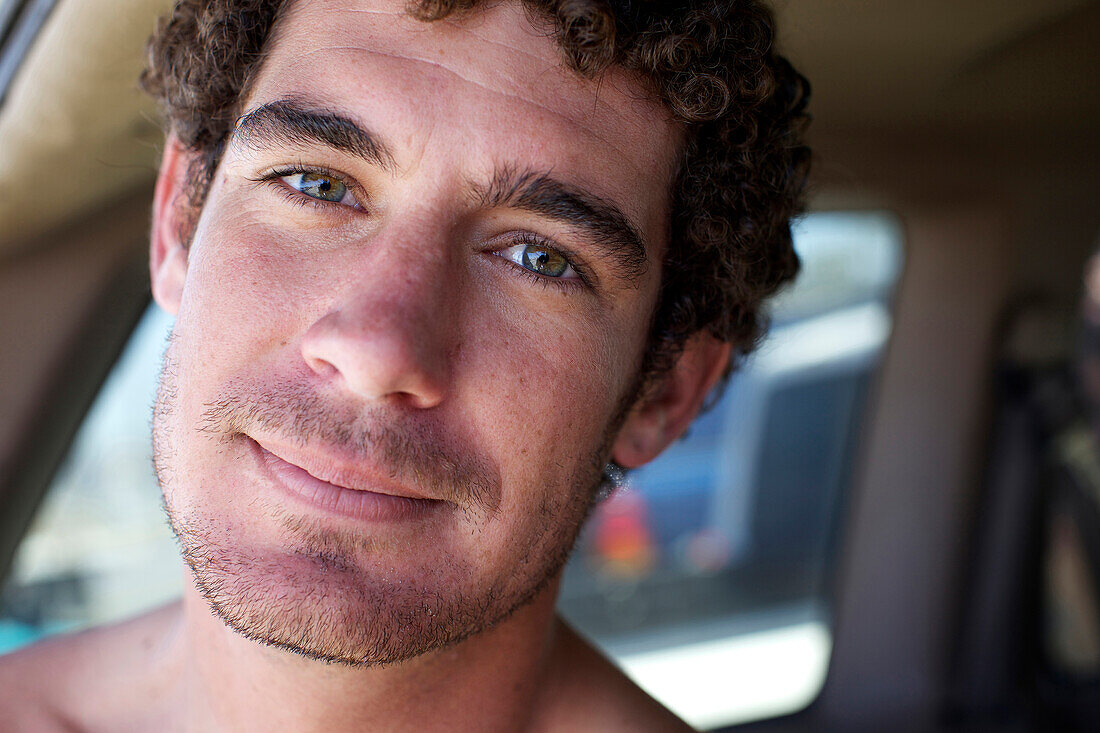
x: 167, y: 252
x: 663, y: 416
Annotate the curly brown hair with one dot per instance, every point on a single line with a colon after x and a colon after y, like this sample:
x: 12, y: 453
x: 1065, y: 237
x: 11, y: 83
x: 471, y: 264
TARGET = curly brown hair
x: 742, y: 169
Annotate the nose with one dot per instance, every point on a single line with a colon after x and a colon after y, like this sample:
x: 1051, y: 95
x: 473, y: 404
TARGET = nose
x: 387, y: 337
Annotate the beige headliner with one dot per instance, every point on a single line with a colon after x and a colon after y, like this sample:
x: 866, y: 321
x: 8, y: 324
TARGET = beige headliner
x: 75, y: 132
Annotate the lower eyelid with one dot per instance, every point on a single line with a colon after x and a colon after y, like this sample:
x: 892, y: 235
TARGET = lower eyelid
x: 293, y: 195
x: 558, y: 283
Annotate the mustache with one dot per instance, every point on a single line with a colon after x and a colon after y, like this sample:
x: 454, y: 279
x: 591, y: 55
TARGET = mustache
x: 419, y: 454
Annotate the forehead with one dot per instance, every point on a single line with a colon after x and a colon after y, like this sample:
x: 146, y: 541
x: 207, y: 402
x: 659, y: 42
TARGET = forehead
x: 489, y: 85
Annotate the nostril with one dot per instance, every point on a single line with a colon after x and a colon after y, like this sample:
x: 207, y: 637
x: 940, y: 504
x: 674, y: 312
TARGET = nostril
x: 320, y: 366
x: 379, y: 357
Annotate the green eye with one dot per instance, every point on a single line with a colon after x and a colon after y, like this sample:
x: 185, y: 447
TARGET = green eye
x: 543, y: 260
x: 321, y: 187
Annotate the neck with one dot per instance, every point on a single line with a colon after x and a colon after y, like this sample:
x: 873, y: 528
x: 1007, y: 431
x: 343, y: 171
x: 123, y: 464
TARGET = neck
x: 488, y: 682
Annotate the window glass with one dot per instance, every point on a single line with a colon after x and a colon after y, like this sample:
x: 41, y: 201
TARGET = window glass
x: 705, y: 576
x: 99, y: 547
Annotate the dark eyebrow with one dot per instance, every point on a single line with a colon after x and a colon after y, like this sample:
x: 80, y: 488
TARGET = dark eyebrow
x: 294, y: 122
x: 611, y: 232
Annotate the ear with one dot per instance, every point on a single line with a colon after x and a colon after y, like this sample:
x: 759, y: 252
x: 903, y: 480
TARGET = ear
x: 167, y: 253
x: 665, y: 412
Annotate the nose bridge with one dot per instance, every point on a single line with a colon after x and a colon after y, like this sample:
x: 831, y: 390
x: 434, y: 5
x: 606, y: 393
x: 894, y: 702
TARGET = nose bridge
x: 402, y: 273
x: 387, y: 333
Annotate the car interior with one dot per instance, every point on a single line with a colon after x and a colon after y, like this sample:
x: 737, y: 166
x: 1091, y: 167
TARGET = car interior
x: 889, y: 521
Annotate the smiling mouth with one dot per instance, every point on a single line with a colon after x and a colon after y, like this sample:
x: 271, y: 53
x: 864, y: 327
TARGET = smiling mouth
x: 337, y: 486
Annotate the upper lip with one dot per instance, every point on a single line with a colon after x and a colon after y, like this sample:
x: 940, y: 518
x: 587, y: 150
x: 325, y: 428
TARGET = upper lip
x: 325, y: 464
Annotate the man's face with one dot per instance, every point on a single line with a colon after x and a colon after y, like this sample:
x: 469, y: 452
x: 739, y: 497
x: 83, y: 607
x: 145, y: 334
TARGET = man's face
x: 413, y: 308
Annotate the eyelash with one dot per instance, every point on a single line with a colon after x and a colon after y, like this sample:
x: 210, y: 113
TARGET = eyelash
x: 272, y: 178
x: 298, y: 198
x: 534, y: 240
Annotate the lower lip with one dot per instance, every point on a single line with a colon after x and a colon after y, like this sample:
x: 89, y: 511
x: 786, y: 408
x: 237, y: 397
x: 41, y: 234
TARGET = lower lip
x: 360, y: 505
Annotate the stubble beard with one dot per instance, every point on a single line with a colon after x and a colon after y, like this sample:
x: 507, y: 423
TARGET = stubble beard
x: 336, y: 611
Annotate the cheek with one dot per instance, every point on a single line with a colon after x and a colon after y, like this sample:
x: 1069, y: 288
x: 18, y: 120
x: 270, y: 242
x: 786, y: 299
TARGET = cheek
x: 546, y: 388
x: 240, y: 309
x: 544, y: 408
x: 243, y: 292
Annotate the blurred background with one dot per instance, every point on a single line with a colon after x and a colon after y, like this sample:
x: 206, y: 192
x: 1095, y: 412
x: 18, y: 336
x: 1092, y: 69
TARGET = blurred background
x: 884, y: 523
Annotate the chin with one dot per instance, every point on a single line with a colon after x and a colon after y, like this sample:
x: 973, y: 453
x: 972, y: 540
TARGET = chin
x: 333, y: 597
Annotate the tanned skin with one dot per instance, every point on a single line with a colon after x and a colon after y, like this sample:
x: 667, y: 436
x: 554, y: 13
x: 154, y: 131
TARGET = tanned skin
x: 324, y: 346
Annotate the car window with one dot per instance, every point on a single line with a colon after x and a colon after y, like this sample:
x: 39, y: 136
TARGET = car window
x: 99, y: 547
x: 705, y: 576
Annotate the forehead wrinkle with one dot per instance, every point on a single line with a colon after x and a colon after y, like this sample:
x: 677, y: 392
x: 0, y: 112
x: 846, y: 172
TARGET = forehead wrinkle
x: 551, y: 63
x: 554, y: 64
x: 392, y: 14
x: 499, y: 92
x: 462, y: 25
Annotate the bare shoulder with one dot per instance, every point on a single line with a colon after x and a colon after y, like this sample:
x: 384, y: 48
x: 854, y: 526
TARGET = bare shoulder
x: 592, y: 694
x: 34, y: 682
x: 71, y: 682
